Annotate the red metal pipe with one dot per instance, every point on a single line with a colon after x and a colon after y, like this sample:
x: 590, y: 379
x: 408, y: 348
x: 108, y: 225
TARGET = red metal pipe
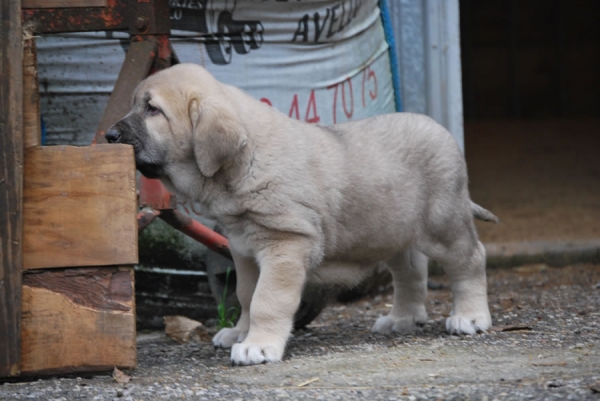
x: 190, y: 227
x: 145, y: 217
x: 153, y: 194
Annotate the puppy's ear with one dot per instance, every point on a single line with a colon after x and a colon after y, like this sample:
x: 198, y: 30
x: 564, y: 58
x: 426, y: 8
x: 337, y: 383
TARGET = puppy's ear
x: 217, y: 135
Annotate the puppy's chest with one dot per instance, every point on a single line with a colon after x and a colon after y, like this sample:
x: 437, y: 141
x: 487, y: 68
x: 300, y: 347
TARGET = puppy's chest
x: 239, y: 233
x: 223, y: 209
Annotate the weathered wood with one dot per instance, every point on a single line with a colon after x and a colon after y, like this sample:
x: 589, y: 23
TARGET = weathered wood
x: 78, y: 319
x: 11, y: 184
x: 32, y: 131
x: 79, y: 206
x: 63, y: 3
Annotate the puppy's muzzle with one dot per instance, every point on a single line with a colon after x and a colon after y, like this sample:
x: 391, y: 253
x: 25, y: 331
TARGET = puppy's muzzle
x: 113, y: 135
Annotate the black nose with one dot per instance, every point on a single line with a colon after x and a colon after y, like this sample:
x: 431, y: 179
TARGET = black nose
x: 113, y: 135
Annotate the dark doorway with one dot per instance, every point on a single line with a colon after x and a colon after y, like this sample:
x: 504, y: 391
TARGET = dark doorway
x: 531, y: 87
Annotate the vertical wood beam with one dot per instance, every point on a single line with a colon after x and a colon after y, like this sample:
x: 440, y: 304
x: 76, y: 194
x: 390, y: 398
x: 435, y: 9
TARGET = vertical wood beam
x: 32, y: 131
x: 11, y: 184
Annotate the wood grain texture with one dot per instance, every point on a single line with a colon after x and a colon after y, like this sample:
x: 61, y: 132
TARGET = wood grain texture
x: 78, y: 319
x: 79, y: 206
x: 11, y: 184
x: 63, y: 3
x: 32, y: 130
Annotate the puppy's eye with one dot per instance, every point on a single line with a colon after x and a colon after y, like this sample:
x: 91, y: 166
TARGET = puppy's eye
x: 152, y: 111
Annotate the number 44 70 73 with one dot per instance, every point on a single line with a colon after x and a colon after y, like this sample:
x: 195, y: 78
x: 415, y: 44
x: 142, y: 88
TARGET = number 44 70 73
x: 344, y: 91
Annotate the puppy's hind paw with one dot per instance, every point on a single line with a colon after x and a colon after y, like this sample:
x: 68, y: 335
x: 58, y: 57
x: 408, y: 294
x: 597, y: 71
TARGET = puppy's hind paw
x: 459, y: 324
x: 254, y: 354
x: 404, y: 325
x: 226, y: 337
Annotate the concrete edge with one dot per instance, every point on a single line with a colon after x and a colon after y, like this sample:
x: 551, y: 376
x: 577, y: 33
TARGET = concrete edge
x: 552, y: 253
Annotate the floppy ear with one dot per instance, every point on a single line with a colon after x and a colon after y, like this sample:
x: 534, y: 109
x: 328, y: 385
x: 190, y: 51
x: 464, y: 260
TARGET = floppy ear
x: 217, y: 135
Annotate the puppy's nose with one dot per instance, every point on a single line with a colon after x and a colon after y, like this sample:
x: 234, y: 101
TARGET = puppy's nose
x: 113, y: 135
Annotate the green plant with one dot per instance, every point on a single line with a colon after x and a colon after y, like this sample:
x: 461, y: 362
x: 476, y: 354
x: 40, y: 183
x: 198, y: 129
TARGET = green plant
x: 226, y: 316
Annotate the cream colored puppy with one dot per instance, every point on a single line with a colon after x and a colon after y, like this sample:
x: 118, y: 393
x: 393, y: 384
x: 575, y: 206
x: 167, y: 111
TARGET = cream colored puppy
x: 301, y: 202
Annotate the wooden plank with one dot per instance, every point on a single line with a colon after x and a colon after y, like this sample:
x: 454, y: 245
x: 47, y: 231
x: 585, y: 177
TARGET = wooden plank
x: 11, y: 184
x: 77, y: 320
x: 32, y: 131
x: 79, y: 206
x: 63, y: 3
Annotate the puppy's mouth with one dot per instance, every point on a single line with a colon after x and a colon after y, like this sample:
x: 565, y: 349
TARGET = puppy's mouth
x: 150, y: 170
x: 132, y: 131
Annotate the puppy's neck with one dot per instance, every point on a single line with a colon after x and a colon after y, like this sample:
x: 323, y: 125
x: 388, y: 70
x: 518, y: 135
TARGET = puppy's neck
x: 236, y: 170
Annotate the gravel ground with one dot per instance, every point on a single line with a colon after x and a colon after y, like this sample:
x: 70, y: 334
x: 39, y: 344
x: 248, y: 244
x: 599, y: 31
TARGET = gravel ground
x: 545, y: 345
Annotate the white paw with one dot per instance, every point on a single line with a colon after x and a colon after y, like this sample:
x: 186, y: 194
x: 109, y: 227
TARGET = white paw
x: 405, y: 324
x: 462, y: 324
x: 226, y: 337
x: 255, y: 354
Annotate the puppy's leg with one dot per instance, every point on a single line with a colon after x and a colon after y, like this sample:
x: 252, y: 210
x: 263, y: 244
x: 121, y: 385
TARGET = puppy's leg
x: 247, y: 275
x: 466, y: 268
x: 276, y: 299
x: 409, y: 273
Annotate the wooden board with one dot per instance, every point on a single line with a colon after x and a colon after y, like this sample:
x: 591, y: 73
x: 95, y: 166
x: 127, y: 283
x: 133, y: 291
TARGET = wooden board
x: 11, y: 180
x: 63, y: 3
x: 78, y: 319
x: 79, y: 206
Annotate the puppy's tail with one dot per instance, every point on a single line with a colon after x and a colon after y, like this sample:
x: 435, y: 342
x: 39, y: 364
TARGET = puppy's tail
x: 483, y: 214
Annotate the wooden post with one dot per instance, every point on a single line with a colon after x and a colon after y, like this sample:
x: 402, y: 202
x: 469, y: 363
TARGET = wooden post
x: 79, y: 248
x: 32, y: 131
x: 11, y: 185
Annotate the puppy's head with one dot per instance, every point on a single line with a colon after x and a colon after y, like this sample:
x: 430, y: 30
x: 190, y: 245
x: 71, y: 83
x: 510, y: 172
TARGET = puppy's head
x: 180, y: 119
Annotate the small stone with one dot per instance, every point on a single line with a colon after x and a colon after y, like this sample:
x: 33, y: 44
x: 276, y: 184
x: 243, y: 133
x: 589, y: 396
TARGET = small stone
x: 554, y: 384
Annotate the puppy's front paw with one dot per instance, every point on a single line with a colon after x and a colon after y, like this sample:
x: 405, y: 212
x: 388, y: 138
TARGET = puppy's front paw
x: 255, y: 354
x: 226, y: 337
x: 464, y: 324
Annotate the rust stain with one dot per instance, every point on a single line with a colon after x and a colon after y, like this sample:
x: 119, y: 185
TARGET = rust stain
x: 78, y: 19
x: 110, y: 16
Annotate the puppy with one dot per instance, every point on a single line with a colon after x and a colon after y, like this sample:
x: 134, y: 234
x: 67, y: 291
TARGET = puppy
x: 302, y: 202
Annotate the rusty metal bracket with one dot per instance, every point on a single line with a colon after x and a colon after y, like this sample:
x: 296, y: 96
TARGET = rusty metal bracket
x: 114, y: 16
x: 149, y: 17
x: 139, y: 17
x: 138, y: 61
